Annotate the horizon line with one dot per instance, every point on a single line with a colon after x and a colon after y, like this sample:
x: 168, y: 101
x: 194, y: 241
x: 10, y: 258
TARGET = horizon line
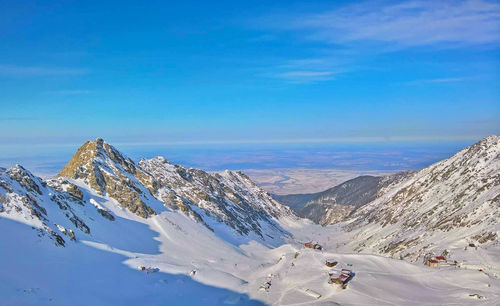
x: 373, y: 139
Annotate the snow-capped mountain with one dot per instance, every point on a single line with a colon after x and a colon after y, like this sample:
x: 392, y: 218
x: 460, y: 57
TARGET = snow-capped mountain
x: 229, y: 197
x: 57, y: 207
x: 446, y: 205
x: 105, y: 170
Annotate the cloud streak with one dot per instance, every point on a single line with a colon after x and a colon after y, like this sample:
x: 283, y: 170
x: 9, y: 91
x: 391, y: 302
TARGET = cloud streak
x: 350, y: 34
x: 440, y: 80
x: 307, y: 70
x: 401, y: 25
x: 306, y: 76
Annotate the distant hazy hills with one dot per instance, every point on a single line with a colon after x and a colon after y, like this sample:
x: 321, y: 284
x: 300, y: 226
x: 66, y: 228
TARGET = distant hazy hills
x: 337, y: 203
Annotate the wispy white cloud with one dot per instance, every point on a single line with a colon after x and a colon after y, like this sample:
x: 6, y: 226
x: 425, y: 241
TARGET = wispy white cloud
x: 307, y: 70
x: 447, y: 80
x: 300, y: 74
x: 305, y: 62
x: 401, y: 25
x: 440, y: 80
x: 306, y: 76
x: 350, y: 34
x: 38, y: 71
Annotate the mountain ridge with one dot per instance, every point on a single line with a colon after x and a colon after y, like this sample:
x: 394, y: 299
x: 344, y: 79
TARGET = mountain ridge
x: 144, y: 189
x: 460, y: 195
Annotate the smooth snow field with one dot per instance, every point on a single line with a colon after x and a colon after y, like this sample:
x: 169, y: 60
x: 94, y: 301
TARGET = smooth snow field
x: 191, y: 265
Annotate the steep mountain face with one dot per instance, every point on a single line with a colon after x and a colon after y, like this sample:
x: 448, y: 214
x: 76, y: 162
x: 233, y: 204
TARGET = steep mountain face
x: 229, y: 197
x: 144, y: 189
x: 107, y: 171
x: 449, y: 203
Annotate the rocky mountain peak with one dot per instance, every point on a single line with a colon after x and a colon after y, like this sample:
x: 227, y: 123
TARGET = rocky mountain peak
x: 68, y: 205
x: 109, y: 172
x: 96, y: 152
x: 229, y: 197
x: 24, y: 178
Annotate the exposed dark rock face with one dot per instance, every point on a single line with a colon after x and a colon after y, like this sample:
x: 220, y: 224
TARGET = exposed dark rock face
x: 106, y: 214
x: 75, y: 191
x: 23, y: 177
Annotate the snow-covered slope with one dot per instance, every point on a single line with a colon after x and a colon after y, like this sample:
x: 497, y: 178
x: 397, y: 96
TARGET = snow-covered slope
x: 55, y: 213
x: 84, y: 240
x: 444, y: 206
x: 65, y: 244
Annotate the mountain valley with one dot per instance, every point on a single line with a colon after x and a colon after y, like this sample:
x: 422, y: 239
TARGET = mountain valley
x: 152, y: 232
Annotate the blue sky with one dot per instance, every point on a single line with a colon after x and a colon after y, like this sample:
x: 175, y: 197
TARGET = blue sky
x: 231, y: 72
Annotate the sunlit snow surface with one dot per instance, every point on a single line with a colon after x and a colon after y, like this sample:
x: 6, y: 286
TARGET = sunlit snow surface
x: 197, y: 267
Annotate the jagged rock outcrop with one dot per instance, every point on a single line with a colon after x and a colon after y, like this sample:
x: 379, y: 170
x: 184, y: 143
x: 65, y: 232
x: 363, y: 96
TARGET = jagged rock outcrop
x: 229, y: 197
x: 50, y: 210
x: 108, y: 172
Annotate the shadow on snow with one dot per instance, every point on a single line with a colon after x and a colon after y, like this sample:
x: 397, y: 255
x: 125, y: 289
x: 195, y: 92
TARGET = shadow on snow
x: 33, y: 271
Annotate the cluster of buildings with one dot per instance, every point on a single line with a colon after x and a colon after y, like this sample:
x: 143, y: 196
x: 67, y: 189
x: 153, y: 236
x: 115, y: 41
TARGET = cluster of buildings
x: 341, y: 277
x: 312, y: 245
x: 435, y: 261
x: 148, y: 270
